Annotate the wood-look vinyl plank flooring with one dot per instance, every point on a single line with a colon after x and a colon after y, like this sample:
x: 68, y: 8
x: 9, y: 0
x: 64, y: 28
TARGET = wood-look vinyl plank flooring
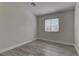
x: 41, y: 48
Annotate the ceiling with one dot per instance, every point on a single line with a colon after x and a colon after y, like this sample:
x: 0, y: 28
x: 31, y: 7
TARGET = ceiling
x: 42, y: 8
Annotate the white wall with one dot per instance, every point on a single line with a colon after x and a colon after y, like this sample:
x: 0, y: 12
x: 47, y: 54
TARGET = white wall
x: 77, y: 27
x: 17, y: 25
x: 66, y: 34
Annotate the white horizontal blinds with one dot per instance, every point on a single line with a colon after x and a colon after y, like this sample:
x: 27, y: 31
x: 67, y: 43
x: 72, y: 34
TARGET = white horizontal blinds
x: 52, y: 25
x: 55, y: 25
x: 47, y: 25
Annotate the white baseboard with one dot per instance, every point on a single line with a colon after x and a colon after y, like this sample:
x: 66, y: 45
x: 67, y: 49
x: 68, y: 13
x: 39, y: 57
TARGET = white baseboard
x: 57, y: 42
x: 15, y: 46
x: 76, y: 49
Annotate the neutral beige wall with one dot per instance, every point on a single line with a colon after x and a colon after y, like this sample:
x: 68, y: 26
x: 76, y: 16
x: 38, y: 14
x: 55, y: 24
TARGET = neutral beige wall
x: 17, y: 25
x: 77, y: 27
x: 66, y: 34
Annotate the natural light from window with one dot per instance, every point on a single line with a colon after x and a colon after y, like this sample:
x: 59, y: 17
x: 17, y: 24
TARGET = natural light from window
x: 52, y: 25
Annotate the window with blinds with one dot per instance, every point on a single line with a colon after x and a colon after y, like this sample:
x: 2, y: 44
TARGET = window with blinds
x: 52, y: 25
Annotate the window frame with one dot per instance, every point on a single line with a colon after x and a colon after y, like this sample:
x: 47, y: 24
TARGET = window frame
x: 50, y: 26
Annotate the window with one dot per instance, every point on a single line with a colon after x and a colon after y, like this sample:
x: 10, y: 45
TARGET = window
x: 52, y: 25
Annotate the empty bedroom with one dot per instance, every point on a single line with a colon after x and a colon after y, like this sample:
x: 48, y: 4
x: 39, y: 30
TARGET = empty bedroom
x: 39, y: 29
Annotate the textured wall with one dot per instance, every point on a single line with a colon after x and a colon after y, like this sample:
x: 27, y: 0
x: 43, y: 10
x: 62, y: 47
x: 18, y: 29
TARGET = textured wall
x: 77, y: 27
x: 66, y: 34
x: 17, y: 25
